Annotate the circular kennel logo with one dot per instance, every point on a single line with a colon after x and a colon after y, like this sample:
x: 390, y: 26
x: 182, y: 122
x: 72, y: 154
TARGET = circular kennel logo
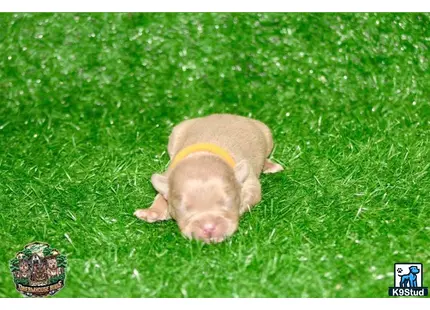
x: 38, y: 270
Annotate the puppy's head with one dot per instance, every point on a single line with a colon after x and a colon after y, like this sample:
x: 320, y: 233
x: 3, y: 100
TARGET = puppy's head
x: 52, y: 263
x: 204, y: 197
x: 24, y: 266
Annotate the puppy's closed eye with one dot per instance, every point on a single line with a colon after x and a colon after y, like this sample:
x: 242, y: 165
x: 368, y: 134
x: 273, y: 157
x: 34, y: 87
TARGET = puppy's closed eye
x: 221, y: 202
x: 224, y: 204
x: 188, y: 207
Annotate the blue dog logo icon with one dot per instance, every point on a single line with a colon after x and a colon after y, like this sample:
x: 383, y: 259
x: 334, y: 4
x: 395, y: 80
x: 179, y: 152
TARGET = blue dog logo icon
x: 408, y: 280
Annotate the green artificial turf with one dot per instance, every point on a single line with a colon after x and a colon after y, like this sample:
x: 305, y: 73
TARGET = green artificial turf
x: 87, y: 102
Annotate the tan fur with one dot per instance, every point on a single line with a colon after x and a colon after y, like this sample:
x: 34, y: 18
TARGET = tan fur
x: 52, y: 267
x: 202, y: 192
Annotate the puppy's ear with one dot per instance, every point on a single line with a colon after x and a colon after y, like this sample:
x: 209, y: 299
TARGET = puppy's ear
x: 241, y: 171
x: 160, y: 184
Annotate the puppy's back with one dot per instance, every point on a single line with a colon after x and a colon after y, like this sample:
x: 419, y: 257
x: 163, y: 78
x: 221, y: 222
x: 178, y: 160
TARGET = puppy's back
x: 243, y: 137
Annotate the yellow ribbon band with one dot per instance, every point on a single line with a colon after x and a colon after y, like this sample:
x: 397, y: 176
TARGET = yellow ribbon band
x: 203, y: 147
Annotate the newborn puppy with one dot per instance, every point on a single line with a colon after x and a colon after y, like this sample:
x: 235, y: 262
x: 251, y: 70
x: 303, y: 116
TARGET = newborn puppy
x: 213, y: 175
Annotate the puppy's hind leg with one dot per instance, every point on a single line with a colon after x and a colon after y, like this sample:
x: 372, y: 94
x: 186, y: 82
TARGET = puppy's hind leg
x: 158, y: 211
x: 271, y: 167
x: 251, y: 194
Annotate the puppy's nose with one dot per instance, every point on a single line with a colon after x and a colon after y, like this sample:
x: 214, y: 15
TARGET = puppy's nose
x: 208, y: 228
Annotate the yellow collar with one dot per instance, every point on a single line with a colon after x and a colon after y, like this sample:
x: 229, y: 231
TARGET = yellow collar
x: 203, y: 147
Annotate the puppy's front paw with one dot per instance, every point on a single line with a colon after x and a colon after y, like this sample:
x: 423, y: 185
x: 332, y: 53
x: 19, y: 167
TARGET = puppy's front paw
x: 151, y: 216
